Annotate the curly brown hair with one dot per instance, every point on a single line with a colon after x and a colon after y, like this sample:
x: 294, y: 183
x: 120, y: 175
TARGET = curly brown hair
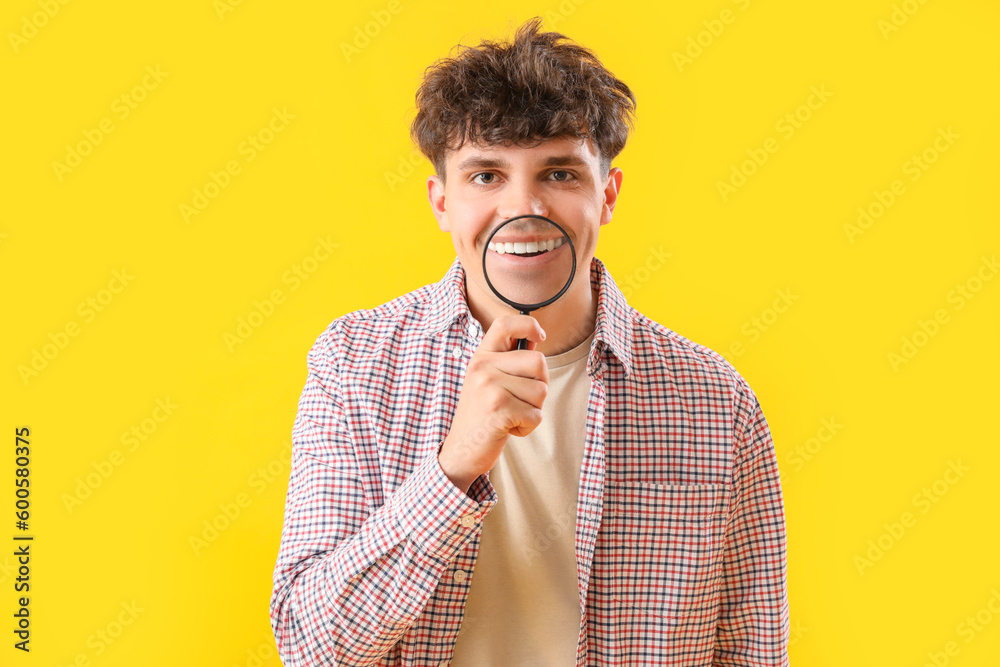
x: 538, y: 87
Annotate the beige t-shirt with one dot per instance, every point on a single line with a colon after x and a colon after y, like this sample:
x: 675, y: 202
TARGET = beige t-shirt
x: 524, y: 605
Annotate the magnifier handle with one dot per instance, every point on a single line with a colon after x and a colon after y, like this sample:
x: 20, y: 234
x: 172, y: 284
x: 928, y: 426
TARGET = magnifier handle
x: 522, y: 343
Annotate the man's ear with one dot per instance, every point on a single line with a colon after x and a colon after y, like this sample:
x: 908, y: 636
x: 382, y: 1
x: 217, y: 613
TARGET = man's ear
x: 611, y: 190
x: 435, y: 195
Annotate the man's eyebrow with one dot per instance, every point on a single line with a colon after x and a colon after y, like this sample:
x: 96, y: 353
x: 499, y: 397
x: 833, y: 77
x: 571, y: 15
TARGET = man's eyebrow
x: 565, y: 161
x: 481, y: 162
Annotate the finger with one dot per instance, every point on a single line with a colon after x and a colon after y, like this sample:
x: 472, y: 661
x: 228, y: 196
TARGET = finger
x: 524, y: 391
x: 505, y: 331
x: 520, y: 363
x: 527, y: 420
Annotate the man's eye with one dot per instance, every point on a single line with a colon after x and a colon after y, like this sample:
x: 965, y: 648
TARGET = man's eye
x: 486, y: 177
x: 561, y: 175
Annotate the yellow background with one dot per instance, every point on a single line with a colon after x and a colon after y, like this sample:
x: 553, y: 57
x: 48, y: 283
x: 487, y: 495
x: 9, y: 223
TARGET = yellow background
x: 343, y: 169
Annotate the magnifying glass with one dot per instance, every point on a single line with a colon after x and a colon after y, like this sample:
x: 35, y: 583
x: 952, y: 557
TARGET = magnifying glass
x: 529, y: 261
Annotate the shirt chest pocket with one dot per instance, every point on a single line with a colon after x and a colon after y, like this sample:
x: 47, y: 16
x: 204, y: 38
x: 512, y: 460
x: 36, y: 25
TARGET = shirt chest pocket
x: 664, y: 543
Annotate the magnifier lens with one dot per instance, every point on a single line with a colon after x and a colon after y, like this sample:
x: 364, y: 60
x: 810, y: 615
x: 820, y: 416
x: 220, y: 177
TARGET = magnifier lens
x: 529, y: 262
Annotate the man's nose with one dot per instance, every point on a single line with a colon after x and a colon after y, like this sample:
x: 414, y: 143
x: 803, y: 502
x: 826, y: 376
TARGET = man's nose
x: 521, y: 199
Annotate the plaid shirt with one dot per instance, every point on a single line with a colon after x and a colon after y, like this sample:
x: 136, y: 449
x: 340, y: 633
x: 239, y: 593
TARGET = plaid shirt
x: 680, y: 532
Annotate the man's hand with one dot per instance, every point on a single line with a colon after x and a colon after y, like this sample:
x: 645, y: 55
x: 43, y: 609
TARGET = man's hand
x: 503, y: 394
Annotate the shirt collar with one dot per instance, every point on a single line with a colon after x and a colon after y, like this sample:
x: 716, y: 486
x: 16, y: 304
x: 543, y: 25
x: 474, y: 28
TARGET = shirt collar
x: 613, y: 330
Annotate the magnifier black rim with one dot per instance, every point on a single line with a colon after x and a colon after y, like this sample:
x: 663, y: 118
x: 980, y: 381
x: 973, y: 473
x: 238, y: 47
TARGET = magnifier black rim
x: 529, y: 307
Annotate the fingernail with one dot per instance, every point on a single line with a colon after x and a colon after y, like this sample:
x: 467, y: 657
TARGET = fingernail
x: 543, y: 334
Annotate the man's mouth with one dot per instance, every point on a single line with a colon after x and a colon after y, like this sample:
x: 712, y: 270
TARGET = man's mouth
x: 526, y: 248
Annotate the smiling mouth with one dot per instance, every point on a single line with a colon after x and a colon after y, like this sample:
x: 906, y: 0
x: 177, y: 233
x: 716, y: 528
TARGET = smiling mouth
x: 526, y: 248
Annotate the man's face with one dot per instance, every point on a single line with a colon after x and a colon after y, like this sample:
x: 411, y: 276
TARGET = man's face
x: 486, y: 185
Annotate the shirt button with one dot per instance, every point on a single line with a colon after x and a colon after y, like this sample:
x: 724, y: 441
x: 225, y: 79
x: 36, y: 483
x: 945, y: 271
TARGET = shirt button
x: 460, y: 576
x: 473, y: 331
x: 469, y: 520
x: 457, y: 352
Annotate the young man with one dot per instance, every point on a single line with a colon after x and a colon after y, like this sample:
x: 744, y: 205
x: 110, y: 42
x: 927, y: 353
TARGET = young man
x: 608, y: 496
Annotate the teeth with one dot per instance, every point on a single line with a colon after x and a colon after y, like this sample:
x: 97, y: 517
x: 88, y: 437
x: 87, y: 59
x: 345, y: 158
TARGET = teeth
x: 523, y: 248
